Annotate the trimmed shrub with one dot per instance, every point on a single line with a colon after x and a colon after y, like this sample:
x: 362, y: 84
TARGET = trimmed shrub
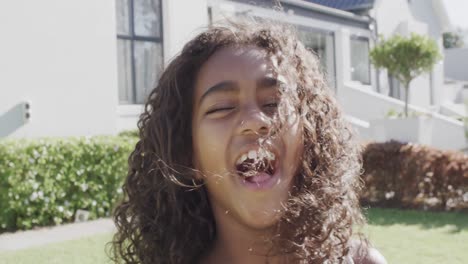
x: 414, y: 176
x: 129, y: 133
x: 44, y: 181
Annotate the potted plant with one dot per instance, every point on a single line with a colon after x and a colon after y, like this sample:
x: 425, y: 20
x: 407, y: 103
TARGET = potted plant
x: 405, y: 58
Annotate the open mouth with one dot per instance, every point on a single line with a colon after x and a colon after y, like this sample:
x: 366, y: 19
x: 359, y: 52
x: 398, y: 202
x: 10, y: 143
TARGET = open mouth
x: 257, y: 166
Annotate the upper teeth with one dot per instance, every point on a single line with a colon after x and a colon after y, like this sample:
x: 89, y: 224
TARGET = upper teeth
x: 256, y: 154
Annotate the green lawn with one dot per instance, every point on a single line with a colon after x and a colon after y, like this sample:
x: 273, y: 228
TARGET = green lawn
x: 402, y: 237
x: 83, y: 251
x: 419, y: 237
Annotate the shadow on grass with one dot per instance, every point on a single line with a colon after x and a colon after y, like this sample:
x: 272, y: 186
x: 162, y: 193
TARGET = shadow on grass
x: 426, y: 220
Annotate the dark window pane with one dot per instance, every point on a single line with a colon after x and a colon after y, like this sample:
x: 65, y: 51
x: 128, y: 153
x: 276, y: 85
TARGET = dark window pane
x: 147, y: 18
x: 322, y: 43
x: 148, y: 64
x: 124, y: 65
x: 122, y: 17
x: 360, y: 67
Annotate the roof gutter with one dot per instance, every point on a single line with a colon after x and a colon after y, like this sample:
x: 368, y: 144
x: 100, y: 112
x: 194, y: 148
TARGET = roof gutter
x: 327, y: 10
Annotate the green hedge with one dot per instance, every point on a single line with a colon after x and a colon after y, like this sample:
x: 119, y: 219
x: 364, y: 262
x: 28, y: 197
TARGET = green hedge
x: 44, y: 181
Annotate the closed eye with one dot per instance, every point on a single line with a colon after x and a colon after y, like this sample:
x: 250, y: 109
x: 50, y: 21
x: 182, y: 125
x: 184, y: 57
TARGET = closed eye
x: 217, y: 110
x: 270, y: 108
x: 271, y: 105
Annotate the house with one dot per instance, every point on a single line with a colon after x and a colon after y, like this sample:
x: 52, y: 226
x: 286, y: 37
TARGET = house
x: 404, y: 17
x: 429, y: 93
x: 84, y: 67
x: 456, y: 82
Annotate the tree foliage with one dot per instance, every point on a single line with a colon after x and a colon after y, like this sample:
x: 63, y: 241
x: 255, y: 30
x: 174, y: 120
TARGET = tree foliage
x: 406, y: 58
x: 452, y: 40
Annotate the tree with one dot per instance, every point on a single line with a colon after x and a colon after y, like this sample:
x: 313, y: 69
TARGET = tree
x: 406, y: 58
x: 452, y: 40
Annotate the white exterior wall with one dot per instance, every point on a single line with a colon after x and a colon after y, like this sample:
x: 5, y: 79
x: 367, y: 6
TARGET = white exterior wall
x: 456, y: 64
x: 357, y: 101
x: 182, y: 20
x: 60, y: 56
x: 454, y: 92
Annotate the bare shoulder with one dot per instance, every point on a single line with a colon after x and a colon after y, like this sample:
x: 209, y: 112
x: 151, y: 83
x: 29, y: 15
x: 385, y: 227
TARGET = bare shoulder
x: 365, y: 254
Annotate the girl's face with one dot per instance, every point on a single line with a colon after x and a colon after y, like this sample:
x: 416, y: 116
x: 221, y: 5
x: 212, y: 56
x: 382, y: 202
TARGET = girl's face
x: 236, y: 96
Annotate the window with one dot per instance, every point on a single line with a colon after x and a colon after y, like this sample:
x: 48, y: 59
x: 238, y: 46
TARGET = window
x: 139, y: 48
x: 395, y: 87
x: 360, y: 65
x: 322, y: 43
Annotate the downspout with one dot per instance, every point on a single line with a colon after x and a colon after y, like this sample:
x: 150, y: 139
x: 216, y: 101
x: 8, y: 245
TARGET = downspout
x: 375, y: 37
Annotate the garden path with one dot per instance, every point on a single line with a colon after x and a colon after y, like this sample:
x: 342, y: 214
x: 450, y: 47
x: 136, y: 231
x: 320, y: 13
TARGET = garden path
x: 46, y: 235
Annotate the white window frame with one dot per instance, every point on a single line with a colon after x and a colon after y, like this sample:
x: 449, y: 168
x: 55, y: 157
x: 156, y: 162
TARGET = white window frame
x: 132, y: 37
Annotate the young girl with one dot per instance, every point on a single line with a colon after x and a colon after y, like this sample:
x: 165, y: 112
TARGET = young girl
x: 244, y: 157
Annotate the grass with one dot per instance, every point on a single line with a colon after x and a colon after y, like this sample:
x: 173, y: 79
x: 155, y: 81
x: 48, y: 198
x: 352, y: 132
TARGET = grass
x: 401, y: 236
x: 82, y: 251
x: 419, y: 237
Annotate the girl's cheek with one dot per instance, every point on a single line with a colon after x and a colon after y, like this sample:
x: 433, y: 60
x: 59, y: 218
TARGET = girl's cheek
x: 214, y: 132
x: 217, y: 125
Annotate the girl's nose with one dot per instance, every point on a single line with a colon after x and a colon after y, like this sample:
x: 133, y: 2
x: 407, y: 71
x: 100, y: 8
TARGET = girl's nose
x: 254, y: 121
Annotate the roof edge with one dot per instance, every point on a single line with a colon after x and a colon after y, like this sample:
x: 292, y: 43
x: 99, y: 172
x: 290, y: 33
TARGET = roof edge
x: 327, y: 10
x: 366, y: 6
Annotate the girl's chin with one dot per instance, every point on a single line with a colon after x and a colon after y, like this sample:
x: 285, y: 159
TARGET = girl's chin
x: 261, y: 198
x: 261, y: 213
x: 263, y: 221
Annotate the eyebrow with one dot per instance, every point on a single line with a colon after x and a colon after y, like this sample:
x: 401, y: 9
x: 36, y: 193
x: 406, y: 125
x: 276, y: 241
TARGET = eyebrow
x: 268, y: 82
x: 231, y: 86
x: 225, y: 86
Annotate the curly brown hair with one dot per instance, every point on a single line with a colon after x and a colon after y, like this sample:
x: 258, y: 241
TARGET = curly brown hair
x: 166, y: 215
